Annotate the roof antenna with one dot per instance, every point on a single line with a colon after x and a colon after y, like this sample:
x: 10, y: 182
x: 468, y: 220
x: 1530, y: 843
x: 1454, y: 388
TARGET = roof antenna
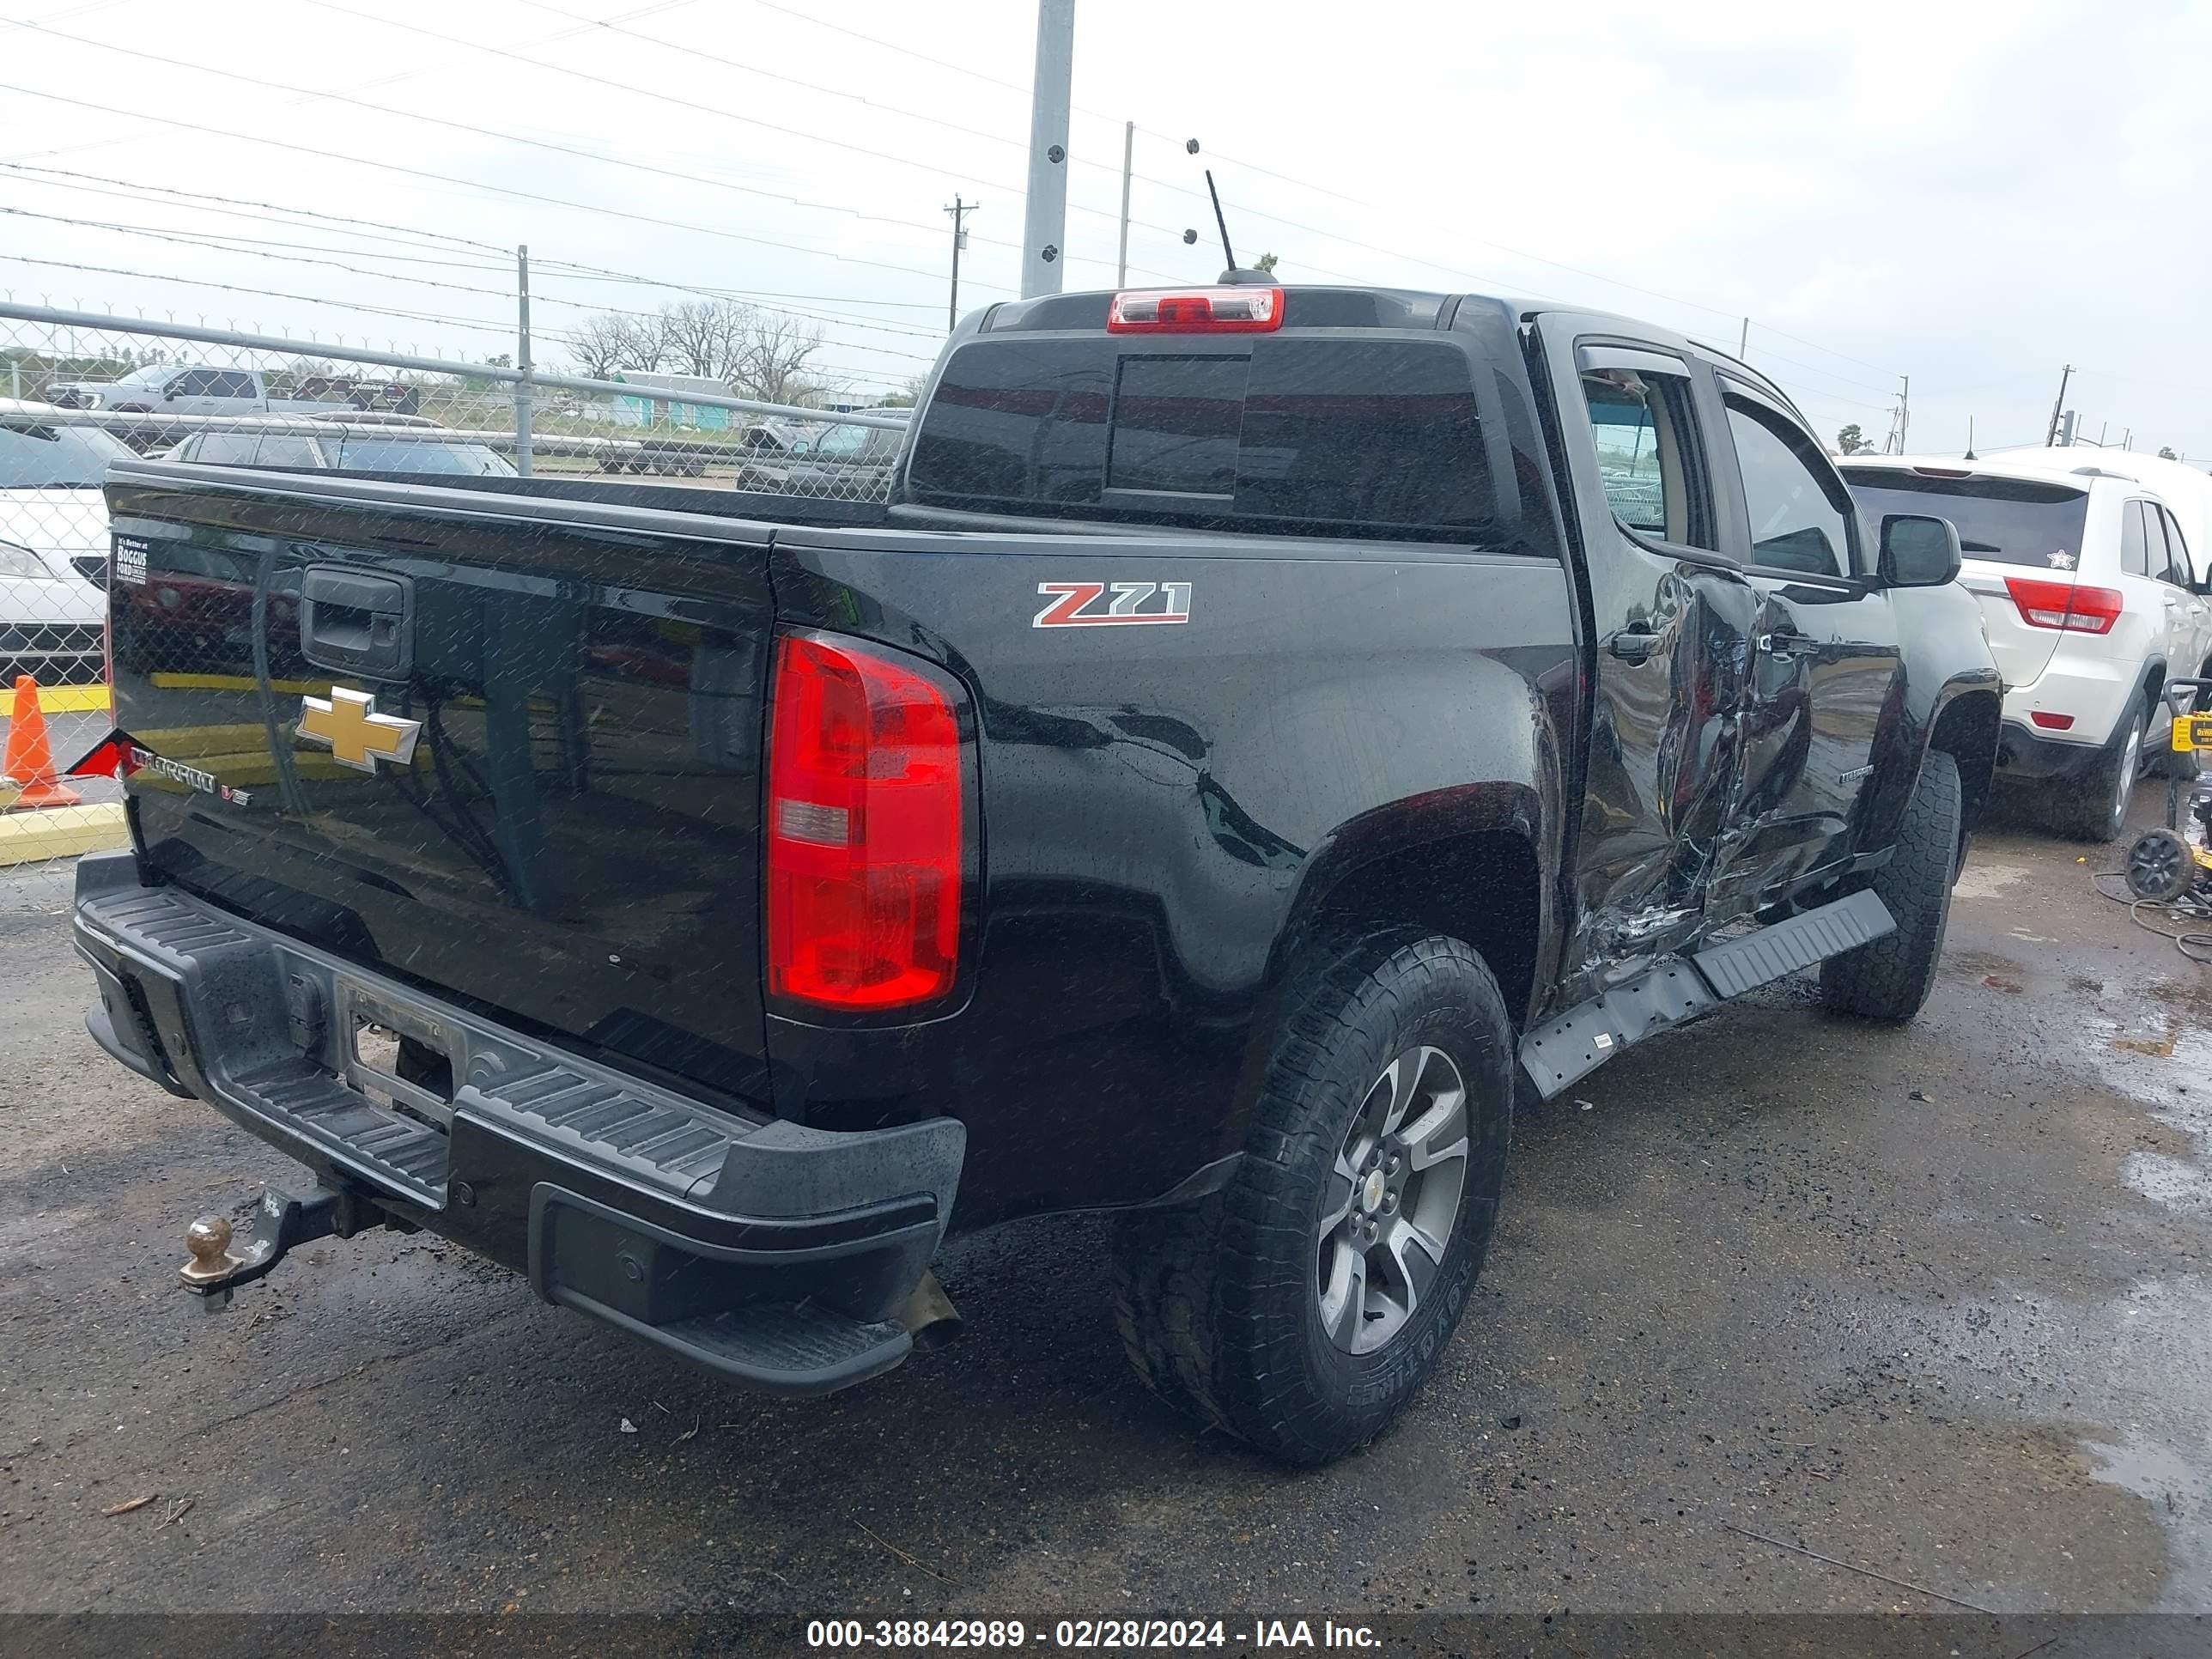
x: 1228, y: 253
x: 1969, y: 454
x: 1235, y: 273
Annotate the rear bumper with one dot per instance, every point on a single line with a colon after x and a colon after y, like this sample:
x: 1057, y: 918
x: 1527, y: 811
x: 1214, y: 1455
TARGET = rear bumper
x: 778, y: 1255
x: 2095, y: 691
x: 2028, y: 756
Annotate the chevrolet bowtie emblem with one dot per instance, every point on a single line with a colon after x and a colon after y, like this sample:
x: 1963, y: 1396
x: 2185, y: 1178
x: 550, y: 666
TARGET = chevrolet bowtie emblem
x: 356, y: 734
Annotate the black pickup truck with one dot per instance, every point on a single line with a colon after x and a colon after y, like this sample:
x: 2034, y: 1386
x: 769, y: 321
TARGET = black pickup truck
x: 1268, y: 734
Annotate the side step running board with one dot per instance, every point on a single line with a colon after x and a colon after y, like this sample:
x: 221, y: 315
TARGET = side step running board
x: 1559, y: 1055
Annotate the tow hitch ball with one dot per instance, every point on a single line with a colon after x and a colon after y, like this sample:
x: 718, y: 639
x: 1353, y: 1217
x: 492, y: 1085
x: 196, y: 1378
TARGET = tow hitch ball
x: 217, y: 1265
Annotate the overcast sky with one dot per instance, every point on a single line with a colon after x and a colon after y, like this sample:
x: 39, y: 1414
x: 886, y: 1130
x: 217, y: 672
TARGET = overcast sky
x: 1970, y: 195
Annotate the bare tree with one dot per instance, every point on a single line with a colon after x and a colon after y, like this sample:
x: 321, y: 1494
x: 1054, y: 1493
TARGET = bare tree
x: 756, y: 354
x: 601, y: 346
x: 609, y: 342
x: 705, y: 337
x: 772, y: 357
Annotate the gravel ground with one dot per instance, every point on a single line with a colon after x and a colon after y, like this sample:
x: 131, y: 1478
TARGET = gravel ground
x: 1936, y: 1303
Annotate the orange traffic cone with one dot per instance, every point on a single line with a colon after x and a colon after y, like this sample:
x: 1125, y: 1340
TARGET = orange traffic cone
x: 30, y: 760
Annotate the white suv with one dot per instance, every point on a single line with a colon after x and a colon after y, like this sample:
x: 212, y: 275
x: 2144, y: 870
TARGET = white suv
x: 2093, y: 595
x: 54, y: 544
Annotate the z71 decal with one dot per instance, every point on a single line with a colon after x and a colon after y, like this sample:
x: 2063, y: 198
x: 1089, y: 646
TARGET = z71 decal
x: 1076, y: 605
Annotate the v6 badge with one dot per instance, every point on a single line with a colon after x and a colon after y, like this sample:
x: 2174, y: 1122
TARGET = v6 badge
x: 1076, y: 604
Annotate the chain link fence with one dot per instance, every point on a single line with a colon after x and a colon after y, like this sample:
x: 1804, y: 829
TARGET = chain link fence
x: 83, y: 390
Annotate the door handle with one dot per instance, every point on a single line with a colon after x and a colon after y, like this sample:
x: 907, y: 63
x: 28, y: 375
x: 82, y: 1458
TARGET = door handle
x: 1788, y: 644
x: 357, y: 622
x: 1632, y: 646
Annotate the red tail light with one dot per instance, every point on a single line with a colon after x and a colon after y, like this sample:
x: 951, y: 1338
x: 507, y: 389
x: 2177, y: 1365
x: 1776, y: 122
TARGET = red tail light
x: 864, y: 830
x: 2050, y: 722
x: 2066, y: 605
x: 1197, y: 311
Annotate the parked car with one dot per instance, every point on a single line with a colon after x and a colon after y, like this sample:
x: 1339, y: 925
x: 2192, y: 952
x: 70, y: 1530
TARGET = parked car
x: 840, y: 462
x: 53, y: 544
x: 193, y: 389
x: 180, y: 389
x: 1268, y: 733
x: 347, y: 449
x: 2092, y: 593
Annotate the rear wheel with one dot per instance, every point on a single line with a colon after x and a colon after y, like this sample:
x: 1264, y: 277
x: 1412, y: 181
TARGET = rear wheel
x: 1301, y: 1307
x: 1890, y: 979
x: 2097, y: 807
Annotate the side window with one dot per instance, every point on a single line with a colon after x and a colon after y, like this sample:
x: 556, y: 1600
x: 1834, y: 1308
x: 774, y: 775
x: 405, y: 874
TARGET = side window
x: 225, y: 448
x: 1796, y: 522
x: 288, y: 451
x: 2155, y: 550
x: 1654, y: 476
x: 190, y: 384
x: 2135, y: 541
x: 2177, y: 566
x: 233, y: 385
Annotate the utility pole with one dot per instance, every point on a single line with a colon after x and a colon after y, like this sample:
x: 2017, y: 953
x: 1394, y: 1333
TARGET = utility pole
x: 1044, y: 210
x: 2051, y: 439
x: 1129, y: 155
x: 522, y: 359
x: 1900, y: 418
x: 1743, y: 343
x: 959, y: 211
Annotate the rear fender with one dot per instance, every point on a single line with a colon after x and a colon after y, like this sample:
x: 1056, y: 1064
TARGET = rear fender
x: 1463, y: 861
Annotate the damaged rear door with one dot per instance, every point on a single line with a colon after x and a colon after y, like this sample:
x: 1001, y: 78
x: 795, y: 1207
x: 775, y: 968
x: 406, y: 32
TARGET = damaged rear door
x: 1672, y: 619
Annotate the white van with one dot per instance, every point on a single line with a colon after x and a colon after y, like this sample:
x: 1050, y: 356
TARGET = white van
x: 2092, y: 589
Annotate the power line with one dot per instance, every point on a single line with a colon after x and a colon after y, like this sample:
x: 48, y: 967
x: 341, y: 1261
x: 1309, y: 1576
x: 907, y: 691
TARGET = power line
x: 271, y: 294
x: 216, y: 242
x: 689, y: 50
x: 233, y: 207
x: 585, y: 272
x: 476, y: 184
x: 652, y: 9
x: 408, y: 235
x: 682, y: 103
x: 575, y: 152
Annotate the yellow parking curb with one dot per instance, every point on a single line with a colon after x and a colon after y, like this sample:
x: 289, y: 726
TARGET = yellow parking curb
x: 72, y: 698
x: 239, y: 682
x: 60, y: 832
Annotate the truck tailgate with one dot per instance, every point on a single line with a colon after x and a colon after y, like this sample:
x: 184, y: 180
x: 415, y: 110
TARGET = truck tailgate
x: 505, y: 748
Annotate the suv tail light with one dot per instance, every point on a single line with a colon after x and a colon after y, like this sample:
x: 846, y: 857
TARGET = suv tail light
x: 1196, y: 311
x: 864, y: 838
x: 2066, y: 605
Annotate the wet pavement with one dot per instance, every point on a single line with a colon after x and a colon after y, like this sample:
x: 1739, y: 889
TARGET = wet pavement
x: 1935, y: 1303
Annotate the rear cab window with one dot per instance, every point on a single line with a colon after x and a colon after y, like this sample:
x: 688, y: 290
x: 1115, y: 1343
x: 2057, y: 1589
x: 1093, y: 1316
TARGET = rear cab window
x: 2034, y: 523
x: 1643, y: 420
x: 1353, y: 432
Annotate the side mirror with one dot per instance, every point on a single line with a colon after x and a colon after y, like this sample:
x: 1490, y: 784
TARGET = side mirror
x: 1918, y: 552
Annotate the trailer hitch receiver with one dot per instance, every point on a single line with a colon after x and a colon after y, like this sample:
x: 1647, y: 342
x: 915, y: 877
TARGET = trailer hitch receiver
x: 216, y: 1265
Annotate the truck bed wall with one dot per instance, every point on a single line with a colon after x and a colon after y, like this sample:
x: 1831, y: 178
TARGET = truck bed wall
x: 1161, y: 802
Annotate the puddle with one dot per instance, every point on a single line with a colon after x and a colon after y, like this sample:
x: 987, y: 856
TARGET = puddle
x: 2127, y: 1381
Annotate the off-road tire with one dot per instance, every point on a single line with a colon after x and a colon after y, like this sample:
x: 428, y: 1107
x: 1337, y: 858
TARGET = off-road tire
x: 1216, y: 1302
x: 1890, y: 978
x: 2096, y: 807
